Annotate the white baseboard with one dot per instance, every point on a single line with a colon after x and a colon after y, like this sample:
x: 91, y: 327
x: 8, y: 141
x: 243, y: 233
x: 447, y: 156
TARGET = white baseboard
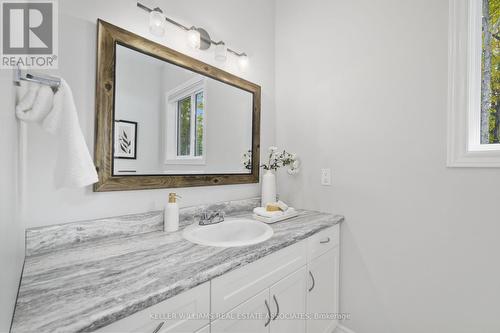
x: 343, y: 329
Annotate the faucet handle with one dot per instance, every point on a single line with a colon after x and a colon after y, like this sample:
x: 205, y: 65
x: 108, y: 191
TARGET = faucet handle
x: 208, y: 217
x: 220, y: 214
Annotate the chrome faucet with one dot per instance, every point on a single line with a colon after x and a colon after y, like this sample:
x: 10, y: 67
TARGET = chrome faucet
x: 211, y: 217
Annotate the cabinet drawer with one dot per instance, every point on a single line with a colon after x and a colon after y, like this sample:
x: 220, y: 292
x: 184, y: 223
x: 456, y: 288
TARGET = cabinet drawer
x: 159, y: 316
x: 235, y: 287
x: 235, y: 321
x: 322, y: 242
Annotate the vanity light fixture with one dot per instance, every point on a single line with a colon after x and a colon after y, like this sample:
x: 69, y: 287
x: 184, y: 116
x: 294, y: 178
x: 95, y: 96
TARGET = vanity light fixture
x: 157, y: 22
x: 194, y: 38
x: 243, y: 61
x: 220, y: 51
x: 198, y: 38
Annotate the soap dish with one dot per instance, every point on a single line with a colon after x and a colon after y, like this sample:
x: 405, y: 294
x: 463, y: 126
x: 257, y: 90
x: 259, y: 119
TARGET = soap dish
x: 275, y: 219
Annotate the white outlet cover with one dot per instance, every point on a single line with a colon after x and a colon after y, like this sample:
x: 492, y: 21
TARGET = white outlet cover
x: 326, y: 177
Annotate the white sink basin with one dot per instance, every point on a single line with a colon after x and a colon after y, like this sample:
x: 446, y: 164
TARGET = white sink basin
x: 230, y: 233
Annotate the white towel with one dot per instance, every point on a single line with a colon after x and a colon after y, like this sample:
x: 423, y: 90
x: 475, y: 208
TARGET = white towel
x: 261, y: 211
x: 58, y: 116
x: 29, y: 111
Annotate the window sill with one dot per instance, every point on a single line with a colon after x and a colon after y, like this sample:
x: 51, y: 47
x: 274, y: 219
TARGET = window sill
x: 186, y: 161
x: 474, y: 159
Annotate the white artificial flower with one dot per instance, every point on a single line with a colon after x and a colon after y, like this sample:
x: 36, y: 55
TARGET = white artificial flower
x: 273, y: 149
x: 294, y: 168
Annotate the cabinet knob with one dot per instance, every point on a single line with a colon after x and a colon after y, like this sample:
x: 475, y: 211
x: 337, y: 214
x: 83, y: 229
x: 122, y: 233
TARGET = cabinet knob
x: 268, y: 314
x: 327, y: 240
x: 313, y: 281
x: 277, y: 308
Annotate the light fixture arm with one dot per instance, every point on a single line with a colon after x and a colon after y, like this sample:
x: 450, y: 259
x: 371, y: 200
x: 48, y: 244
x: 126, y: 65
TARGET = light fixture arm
x: 183, y: 27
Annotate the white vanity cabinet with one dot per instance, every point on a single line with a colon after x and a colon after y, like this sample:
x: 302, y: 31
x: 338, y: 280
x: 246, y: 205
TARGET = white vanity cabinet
x: 288, y: 291
x: 296, y: 290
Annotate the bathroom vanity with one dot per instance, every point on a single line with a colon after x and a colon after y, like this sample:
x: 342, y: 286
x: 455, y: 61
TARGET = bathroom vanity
x: 124, y: 274
x: 292, y: 282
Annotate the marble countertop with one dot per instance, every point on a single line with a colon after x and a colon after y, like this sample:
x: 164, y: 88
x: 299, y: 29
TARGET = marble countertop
x: 83, y: 286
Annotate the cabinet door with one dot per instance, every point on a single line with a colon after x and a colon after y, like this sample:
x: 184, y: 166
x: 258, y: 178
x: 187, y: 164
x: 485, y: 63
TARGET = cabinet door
x: 251, y: 316
x: 288, y: 303
x: 322, y: 295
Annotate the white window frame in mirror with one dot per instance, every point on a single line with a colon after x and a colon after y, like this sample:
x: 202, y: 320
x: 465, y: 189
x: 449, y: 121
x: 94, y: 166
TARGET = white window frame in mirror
x: 464, y: 88
x: 172, y: 97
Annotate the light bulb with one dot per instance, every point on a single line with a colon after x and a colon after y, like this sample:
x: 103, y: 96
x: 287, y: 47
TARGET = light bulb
x: 194, y: 38
x: 157, y: 22
x: 243, y: 61
x: 220, y: 52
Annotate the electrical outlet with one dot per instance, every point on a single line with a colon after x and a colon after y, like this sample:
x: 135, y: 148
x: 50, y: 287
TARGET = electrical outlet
x: 326, y: 177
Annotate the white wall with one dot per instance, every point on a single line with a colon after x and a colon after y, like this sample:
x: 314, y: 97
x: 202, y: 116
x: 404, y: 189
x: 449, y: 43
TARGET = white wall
x: 361, y: 88
x: 11, y: 228
x: 229, y: 127
x: 139, y: 99
x: 225, y: 19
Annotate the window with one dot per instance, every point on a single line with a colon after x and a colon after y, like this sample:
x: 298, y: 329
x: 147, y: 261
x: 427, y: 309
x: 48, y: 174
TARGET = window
x: 185, y: 127
x: 474, y: 84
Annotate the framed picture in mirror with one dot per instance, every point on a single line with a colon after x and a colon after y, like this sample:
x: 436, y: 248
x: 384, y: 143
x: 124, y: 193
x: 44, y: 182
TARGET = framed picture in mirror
x: 125, y: 139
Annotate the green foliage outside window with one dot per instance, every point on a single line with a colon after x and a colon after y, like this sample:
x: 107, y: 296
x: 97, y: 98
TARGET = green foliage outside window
x: 184, y: 127
x: 490, y: 85
x: 185, y: 134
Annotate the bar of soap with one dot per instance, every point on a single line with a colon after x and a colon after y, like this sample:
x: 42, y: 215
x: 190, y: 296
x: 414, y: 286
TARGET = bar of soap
x: 273, y: 207
x: 282, y: 206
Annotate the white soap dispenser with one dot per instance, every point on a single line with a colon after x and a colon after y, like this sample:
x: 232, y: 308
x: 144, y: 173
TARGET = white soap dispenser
x: 171, y: 214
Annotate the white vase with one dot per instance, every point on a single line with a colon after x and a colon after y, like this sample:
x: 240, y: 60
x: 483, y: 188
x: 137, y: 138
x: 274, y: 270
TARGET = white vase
x: 268, y: 187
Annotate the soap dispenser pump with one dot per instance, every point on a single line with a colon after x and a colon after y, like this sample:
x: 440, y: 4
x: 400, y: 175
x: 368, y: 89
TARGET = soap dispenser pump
x: 171, y: 214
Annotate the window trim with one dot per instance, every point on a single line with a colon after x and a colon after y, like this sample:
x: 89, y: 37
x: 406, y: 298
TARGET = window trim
x: 189, y: 88
x: 464, y: 88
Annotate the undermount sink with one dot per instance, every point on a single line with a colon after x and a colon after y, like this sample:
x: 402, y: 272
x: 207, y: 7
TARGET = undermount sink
x: 230, y: 233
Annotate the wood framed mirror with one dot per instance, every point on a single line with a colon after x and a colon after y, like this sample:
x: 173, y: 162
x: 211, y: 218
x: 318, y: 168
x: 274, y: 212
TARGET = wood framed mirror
x: 166, y: 120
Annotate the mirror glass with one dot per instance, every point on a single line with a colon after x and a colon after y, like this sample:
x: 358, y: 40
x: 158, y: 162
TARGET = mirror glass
x: 169, y: 120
